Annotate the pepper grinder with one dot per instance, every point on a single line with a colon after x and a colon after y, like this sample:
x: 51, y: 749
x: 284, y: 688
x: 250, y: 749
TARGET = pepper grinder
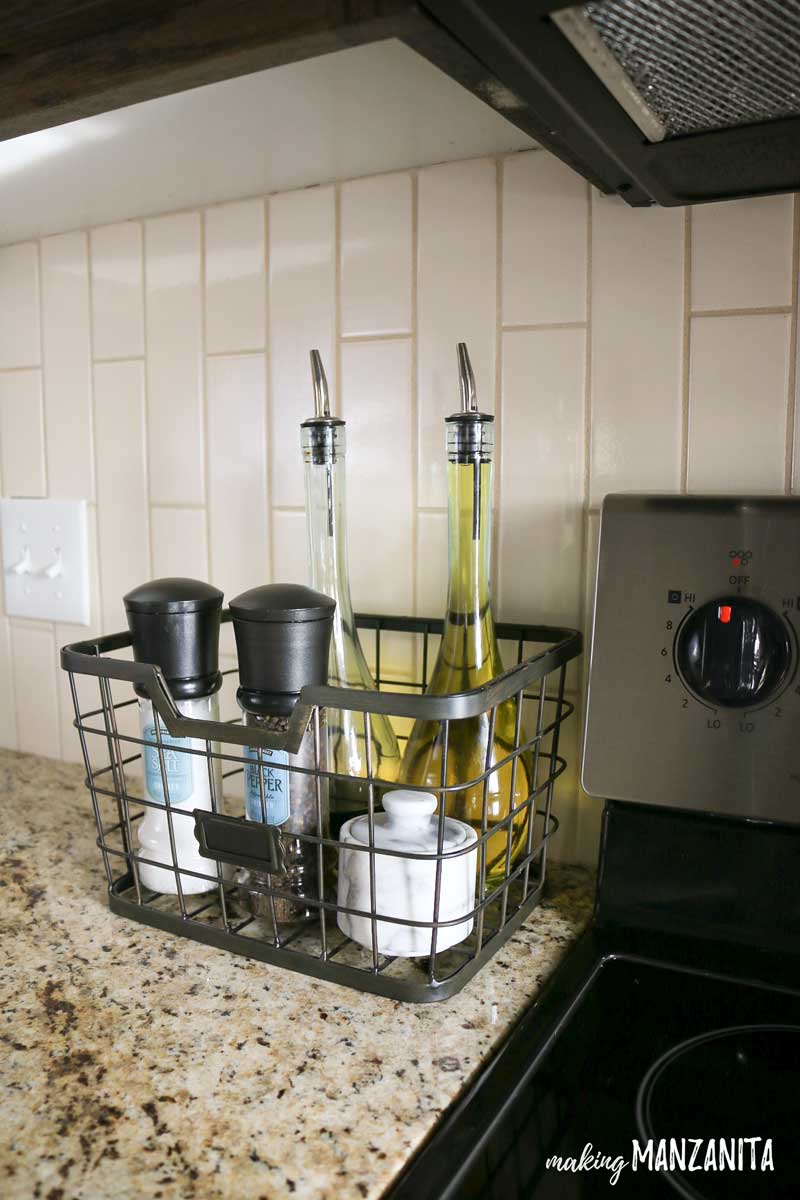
x: 283, y: 634
x: 174, y: 624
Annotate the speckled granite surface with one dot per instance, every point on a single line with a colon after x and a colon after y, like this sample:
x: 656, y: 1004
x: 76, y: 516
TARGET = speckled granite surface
x: 138, y: 1065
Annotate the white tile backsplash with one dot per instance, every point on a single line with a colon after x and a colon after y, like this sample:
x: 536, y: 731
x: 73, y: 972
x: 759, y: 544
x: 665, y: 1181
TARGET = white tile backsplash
x: 637, y: 332
x: 290, y: 546
x: 22, y: 434
x: 195, y: 418
x: 737, y: 403
x: 302, y: 297
x: 179, y: 542
x: 376, y: 386
x: 122, y: 494
x: 236, y: 286
x: 541, y: 498
x: 174, y: 307
x: 33, y: 653
x: 8, y: 709
x: 456, y: 302
x: 20, y: 342
x: 237, y: 485
x: 117, y: 290
x: 376, y: 253
x: 67, y: 365
x: 545, y: 209
x: 742, y: 253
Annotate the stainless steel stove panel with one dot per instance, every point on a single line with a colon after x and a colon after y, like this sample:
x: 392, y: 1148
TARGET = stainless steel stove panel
x: 694, y: 693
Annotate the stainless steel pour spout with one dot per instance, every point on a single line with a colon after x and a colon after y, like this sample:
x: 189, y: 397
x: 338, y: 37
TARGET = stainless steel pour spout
x: 469, y: 399
x: 322, y: 402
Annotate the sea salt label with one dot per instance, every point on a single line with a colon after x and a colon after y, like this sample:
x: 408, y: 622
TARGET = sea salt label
x: 177, y: 766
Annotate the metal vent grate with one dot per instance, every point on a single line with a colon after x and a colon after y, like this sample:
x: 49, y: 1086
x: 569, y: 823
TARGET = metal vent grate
x: 696, y: 65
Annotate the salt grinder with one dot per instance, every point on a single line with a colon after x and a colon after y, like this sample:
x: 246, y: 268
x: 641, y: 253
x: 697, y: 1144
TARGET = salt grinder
x: 174, y: 625
x: 283, y: 634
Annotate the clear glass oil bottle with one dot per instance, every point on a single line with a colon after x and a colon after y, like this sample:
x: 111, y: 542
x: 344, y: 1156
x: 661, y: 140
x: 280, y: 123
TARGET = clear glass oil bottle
x: 323, y: 442
x: 468, y: 654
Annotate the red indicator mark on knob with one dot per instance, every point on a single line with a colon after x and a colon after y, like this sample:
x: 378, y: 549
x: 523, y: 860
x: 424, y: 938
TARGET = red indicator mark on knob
x: 725, y: 613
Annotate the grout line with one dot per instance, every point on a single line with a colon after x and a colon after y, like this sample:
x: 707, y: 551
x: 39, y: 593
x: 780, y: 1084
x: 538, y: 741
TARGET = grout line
x: 337, y: 297
x: 122, y: 358
x: 268, y: 472
x: 438, y: 509
x: 791, y: 415
x: 288, y: 508
x: 93, y: 411
x: 42, y: 383
x: 24, y: 367
x: 580, y: 809
x: 349, y: 338
x: 178, y: 506
x: 414, y: 413
x: 204, y: 423
x: 766, y: 311
x: 497, y: 498
x: 686, y: 347
x: 235, y: 353
x: 534, y: 326
x: 146, y: 386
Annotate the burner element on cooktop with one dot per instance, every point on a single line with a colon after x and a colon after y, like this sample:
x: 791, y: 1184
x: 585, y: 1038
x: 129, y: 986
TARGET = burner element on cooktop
x: 721, y: 1087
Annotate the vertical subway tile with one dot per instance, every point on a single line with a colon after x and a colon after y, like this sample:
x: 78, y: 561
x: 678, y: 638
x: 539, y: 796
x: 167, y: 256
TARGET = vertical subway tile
x: 87, y: 687
x: 20, y: 344
x: 179, y: 542
x: 8, y: 715
x: 796, y: 462
x: 290, y: 547
x: 737, y: 403
x: 235, y: 277
x: 542, y: 456
x: 431, y: 564
x: 742, y: 253
x: 22, y: 433
x: 376, y: 385
x: 67, y: 366
x: 302, y: 290
x: 239, y: 550
x: 117, y: 291
x: 545, y: 226
x: 457, y: 281
x: 34, y: 664
x: 121, y: 485
x: 376, y: 255
x: 637, y: 331
x: 565, y: 791
x: 174, y: 351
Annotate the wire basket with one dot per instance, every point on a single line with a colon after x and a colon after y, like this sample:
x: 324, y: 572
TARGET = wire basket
x: 233, y: 844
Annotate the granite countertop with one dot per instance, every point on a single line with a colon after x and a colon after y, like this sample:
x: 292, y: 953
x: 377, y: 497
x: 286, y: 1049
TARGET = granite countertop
x: 138, y: 1064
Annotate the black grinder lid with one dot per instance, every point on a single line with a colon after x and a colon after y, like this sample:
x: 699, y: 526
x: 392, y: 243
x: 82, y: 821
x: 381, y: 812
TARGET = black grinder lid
x: 283, y: 635
x: 174, y: 624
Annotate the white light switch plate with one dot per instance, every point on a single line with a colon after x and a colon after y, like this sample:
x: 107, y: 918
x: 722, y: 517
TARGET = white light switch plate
x: 46, y: 560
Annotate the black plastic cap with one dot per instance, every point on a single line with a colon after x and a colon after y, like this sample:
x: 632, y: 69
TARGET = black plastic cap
x: 283, y: 635
x: 174, y: 624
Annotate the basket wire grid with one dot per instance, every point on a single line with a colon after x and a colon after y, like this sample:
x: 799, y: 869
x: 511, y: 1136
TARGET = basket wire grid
x: 112, y: 753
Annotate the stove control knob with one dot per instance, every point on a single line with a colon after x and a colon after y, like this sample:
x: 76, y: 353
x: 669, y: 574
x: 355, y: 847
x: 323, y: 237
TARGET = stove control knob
x: 734, y: 652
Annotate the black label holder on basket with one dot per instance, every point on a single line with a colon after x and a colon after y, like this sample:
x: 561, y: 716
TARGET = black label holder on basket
x: 238, y: 842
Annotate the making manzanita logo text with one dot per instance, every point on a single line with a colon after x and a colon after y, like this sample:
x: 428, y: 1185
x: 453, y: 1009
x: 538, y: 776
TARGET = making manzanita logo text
x: 674, y: 1155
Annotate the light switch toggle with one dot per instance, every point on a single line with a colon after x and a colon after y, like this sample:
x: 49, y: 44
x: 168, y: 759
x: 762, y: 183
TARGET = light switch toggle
x: 23, y: 566
x: 56, y: 567
x: 724, y: 613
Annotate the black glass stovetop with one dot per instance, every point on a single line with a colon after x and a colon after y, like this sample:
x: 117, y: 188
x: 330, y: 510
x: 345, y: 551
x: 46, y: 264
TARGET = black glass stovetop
x: 675, y: 1018
x: 653, y: 1052
x: 624, y: 1049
